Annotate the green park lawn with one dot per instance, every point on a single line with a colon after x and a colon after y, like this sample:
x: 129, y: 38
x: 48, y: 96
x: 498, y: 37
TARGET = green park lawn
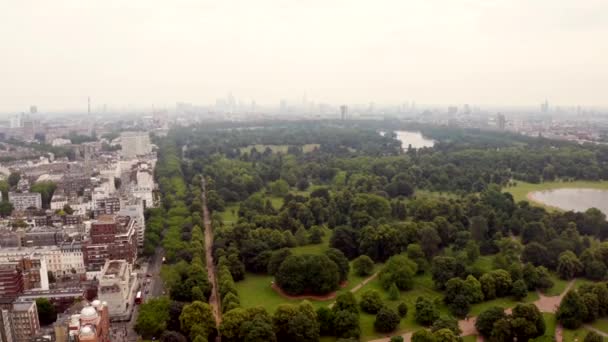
x: 601, y: 325
x: 574, y: 335
x: 550, y: 324
x: 559, y: 285
x: 504, y: 302
x: 521, y: 190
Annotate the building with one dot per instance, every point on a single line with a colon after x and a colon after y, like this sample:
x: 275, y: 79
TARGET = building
x: 25, y: 321
x: 111, y: 237
x: 501, y: 122
x: 22, y: 201
x: 135, y: 144
x: 343, y: 112
x: 11, y: 280
x: 134, y: 209
x: 117, y: 286
x: 91, y: 325
x: 106, y: 206
x: 62, y: 261
x: 6, y: 325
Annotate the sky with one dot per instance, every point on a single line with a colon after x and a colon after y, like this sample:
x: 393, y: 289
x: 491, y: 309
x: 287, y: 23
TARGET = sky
x: 55, y: 54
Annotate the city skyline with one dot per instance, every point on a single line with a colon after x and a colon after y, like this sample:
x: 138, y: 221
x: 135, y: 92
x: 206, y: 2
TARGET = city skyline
x: 152, y: 53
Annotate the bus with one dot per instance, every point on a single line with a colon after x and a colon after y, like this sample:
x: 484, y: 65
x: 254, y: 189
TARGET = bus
x: 138, y: 298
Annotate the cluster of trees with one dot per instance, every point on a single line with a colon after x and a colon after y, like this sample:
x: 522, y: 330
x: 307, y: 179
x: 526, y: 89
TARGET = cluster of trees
x: 524, y: 323
x: 584, y: 305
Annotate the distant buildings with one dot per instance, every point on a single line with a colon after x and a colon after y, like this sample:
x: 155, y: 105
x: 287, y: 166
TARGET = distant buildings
x: 343, y: 112
x: 135, y: 144
x: 25, y: 200
x: 501, y: 122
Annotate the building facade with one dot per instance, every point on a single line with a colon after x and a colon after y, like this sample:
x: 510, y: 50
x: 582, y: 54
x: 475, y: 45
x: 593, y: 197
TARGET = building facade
x: 22, y: 201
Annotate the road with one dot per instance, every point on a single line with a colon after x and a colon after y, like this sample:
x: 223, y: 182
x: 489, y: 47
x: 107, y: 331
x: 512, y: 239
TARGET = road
x: 125, y: 331
x: 214, y: 299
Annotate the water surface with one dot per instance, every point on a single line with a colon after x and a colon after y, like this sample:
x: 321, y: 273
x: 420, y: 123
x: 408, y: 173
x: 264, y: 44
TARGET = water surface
x: 416, y: 139
x: 576, y: 199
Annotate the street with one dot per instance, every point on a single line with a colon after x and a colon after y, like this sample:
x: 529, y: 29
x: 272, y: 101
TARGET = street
x: 125, y: 331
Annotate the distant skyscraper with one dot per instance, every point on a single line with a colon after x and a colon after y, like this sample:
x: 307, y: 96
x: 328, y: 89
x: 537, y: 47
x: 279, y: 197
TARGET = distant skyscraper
x: 33, y: 109
x: 501, y: 122
x: 544, y: 107
x: 283, y: 106
x: 343, y: 112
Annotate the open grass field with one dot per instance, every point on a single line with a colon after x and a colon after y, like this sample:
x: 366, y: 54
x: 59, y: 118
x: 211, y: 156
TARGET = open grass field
x: 521, y: 190
x: 601, y: 325
x: 574, y: 335
x: 504, y: 302
x: 278, y: 148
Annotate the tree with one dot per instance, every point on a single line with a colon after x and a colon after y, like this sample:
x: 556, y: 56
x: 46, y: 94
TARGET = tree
x: 301, y: 236
x: 472, y: 289
x: 568, y: 265
x: 6, y: 208
x: 485, y: 321
x: 396, y: 339
x: 415, y: 253
x: 46, y: 190
x: 276, y: 259
x: 197, y: 319
x: 343, y: 266
x: 230, y: 329
x: 371, y: 301
x: 488, y: 286
x: 13, y: 179
x: 519, y: 289
x: 172, y: 336
x: 363, y: 266
x: 315, y: 273
x: 325, y: 317
x: 445, y: 322
x: 460, y: 306
x: 446, y: 335
x: 346, y: 302
x: 445, y: 268
x: 479, y: 228
x: 537, y: 254
x: 346, y: 324
x: 426, y: 312
x: 572, y: 310
x: 393, y: 292
x: 429, y: 241
x: 279, y: 188
x: 68, y: 210
x: 398, y: 270
x: 46, y: 311
x: 345, y: 239
x: 402, y: 309
x: 386, y: 320
x: 423, y: 335
x: 527, y: 322
x: 258, y: 329
x: 316, y: 235
x: 593, y: 306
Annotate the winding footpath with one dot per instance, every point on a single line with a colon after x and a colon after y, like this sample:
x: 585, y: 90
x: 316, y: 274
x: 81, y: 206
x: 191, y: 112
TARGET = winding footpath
x: 214, y: 299
x: 359, y: 286
x: 543, y: 303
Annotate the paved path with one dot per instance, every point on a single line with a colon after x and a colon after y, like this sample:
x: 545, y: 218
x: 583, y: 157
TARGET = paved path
x: 599, y: 332
x: 214, y: 299
x: 544, y: 304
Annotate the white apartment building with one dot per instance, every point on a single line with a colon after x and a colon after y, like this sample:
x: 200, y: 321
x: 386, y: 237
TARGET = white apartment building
x: 60, y: 261
x: 134, y: 208
x: 117, y: 285
x: 135, y: 144
x: 22, y: 201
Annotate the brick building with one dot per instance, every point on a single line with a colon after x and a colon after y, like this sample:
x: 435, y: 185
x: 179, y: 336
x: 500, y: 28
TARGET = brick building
x: 111, y: 237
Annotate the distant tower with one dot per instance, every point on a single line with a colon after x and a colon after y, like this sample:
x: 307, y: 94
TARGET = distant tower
x: 544, y: 107
x: 89, y: 105
x: 501, y: 122
x: 33, y: 109
x: 343, y: 112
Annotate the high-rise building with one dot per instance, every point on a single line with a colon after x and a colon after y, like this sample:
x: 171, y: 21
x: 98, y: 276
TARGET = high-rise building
x: 111, y: 237
x: 544, y: 107
x: 501, y: 122
x: 135, y: 144
x: 343, y: 112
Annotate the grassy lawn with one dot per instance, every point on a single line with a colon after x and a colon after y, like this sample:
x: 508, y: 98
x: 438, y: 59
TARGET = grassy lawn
x: 470, y: 338
x: 559, y: 285
x: 574, y: 335
x: 435, y: 194
x: 230, y: 214
x: 423, y: 286
x: 550, y: 324
x: 504, y: 302
x: 314, y: 249
x: 521, y: 190
x: 601, y: 324
x: 484, y: 263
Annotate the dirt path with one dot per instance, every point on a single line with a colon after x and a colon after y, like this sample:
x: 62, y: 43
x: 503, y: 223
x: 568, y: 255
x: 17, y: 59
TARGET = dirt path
x: 214, y: 299
x: 358, y: 287
x: 544, y: 304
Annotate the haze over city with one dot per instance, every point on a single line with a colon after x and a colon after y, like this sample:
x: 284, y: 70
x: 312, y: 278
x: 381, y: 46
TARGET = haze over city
x: 55, y: 54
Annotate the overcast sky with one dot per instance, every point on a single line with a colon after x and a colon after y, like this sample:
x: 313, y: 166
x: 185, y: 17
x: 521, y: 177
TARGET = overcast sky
x: 157, y: 52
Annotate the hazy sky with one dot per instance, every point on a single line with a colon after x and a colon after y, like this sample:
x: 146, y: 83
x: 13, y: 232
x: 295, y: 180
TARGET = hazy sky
x: 157, y: 52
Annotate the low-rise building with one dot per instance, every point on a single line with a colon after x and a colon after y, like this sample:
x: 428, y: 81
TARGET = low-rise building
x: 92, y: 324
x: 25, y: 321
x: 24, y: 200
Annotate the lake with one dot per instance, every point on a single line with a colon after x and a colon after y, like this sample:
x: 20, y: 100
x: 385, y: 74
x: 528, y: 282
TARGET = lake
x: 573, y: 198
x: 416, y: 139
